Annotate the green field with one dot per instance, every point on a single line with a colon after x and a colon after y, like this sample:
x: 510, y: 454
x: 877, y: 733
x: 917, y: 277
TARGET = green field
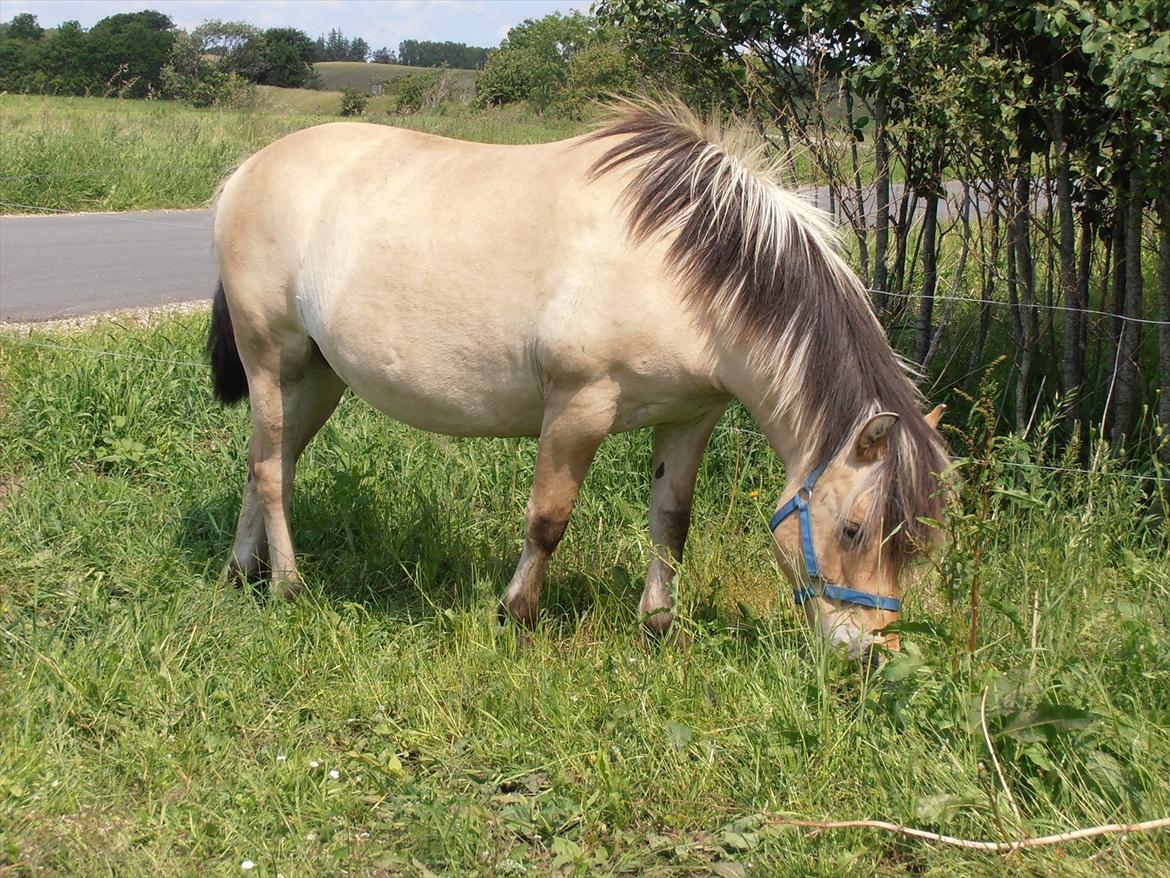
x: 153, y: 722
x: 338, y: 75
x: 89, y: 154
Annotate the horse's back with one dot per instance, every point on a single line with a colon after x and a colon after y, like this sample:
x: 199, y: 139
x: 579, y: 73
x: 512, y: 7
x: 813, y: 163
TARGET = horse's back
x: 447, y: 282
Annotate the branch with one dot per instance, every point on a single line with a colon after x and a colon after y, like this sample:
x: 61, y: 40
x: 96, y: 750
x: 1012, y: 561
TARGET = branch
x: 991, y: 846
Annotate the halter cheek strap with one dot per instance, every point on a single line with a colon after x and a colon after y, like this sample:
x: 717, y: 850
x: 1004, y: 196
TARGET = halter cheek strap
x: 817, y: 585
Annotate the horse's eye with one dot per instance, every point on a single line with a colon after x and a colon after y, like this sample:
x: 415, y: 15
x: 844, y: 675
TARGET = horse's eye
x: 851, y: 532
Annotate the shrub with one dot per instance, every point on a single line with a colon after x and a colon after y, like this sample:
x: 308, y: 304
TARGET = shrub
x: 354, y: 102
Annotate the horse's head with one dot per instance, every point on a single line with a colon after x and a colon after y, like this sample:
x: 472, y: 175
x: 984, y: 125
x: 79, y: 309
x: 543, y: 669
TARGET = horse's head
x: 833, y: 540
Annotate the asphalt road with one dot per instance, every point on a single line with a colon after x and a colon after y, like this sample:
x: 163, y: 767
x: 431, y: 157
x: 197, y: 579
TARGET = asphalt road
x: 67, y: 265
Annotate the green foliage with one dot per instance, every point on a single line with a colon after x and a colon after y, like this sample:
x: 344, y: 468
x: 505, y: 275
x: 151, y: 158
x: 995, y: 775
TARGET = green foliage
x: 337, y: 47
x: 354, y: 102
x: 155, y: 722
x: 123, y: 54
x: 424, y: 90
x: 428, y: 53
x: 559, y: 61
x: 191, y: 78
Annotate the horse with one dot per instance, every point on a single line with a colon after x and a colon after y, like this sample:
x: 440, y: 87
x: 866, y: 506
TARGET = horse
x: 644, y: 274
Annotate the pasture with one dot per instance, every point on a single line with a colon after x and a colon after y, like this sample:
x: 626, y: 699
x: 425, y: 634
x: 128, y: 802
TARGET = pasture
x: 155, y: 722
x: 338, y: 75
x: 87, y: 154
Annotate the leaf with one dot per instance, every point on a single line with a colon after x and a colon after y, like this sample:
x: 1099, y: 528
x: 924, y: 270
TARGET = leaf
x: 1016, y: 494
x: 394, y: 765
x: 900, y: 666
x: 567, y: 852
x: 729, y: 869
x: 741, y: 841
x: 679, y: 735
x: 1041, y: 723
x: 941, y: 807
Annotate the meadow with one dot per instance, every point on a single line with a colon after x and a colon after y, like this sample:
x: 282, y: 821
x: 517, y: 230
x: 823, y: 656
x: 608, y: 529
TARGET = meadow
x: 339, y: 75
x: 104, y: 154
x: 154, y: 721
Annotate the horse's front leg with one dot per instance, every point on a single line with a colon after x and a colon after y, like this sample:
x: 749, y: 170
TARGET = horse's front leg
x: 678, y: 449
x: 574, y: 425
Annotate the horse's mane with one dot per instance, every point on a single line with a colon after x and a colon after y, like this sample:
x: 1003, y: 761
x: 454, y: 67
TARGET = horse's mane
x: 761, y: 263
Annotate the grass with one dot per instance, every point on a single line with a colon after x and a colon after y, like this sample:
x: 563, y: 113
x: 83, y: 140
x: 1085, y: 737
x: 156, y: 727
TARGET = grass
x: 97, y: 154
x: 339, y: 75
x: 153, y: 722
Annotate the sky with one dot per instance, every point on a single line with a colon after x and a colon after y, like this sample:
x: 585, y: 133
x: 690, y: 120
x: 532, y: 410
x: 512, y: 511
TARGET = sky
x: 378, y: 22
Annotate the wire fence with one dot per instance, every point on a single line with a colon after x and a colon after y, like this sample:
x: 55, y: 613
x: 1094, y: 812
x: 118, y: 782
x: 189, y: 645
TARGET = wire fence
x: 723, y: 429
x: 944, y: 297
x: 937, y: 296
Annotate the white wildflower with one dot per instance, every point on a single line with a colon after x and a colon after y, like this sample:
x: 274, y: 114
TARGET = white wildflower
x: 247, y: 865
x: 335, y: 774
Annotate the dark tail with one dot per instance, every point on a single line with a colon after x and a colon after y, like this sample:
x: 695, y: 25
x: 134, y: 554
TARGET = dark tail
x: 227, y: 372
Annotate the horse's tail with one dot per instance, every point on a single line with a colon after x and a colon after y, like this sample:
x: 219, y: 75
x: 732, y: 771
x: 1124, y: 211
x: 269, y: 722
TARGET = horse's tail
x: 227, y: 372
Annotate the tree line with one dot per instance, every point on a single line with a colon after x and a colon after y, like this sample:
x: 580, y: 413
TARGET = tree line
x: 1047, y: 124
x: 142, y: 54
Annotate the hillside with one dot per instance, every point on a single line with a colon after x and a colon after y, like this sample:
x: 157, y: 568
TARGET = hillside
x: 338, y: 75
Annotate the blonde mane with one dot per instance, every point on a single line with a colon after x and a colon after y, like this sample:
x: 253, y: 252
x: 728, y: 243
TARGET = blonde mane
x: 762, y: 264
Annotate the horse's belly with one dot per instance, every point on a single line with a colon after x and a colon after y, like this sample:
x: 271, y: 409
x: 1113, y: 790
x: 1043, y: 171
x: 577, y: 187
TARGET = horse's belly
x: 443, y: 391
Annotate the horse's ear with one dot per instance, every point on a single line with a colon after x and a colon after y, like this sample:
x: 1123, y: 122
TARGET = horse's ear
x: 936, y: 415
x: 872, y: 438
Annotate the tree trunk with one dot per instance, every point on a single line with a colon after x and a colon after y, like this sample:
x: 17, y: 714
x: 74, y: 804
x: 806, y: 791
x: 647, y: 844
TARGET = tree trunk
x: 1074, y: 356
x: 1164, y: 328
x: 987, y: 290
x: 881, y: 238
x: 1130, y: 334
x: 1026, y: 292
x: 929, y: 277
x: 858, y: 219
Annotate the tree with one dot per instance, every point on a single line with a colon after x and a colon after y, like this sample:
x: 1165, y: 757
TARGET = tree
x: 427, y: 53
x: 1000, y: 96
x: 130, y: 49
x: 288, y: 58
x: 218, y: 37
x: 535, y: 62
x: 24, y: 27
x: 359, y: 50
x: 384, y: 56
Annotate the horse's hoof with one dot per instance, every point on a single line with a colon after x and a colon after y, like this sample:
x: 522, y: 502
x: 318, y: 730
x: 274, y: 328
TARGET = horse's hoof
x: 286, y: 588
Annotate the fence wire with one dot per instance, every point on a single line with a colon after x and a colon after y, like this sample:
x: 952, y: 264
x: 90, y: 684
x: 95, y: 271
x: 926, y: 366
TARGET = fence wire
x: 726, y: 430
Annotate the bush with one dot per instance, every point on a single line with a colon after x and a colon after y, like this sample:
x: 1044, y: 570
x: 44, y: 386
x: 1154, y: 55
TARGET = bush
x: 426, y: 90
x: 354, y: 102
x: 556, y: 62
x: 189, y: 77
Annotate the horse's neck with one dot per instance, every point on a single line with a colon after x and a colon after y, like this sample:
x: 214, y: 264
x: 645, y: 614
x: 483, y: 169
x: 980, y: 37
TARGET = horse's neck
x: 755, y: 391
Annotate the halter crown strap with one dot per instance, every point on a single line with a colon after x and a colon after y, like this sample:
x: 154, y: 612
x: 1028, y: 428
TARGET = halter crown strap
x: 817, y: 585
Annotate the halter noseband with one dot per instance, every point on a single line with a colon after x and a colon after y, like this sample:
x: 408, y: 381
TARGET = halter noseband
x: 799, y: 505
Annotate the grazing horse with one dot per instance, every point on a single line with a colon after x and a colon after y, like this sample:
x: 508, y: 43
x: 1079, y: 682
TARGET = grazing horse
x: 643, y: 275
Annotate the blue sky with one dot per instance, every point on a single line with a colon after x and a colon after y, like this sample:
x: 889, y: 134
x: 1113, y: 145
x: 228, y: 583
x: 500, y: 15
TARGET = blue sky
x: 379, y: 22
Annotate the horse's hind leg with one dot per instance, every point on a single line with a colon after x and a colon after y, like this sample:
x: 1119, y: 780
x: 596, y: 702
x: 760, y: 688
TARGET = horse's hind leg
x: 678, y: 449
x: 574, y: 425
x: 290, y: 403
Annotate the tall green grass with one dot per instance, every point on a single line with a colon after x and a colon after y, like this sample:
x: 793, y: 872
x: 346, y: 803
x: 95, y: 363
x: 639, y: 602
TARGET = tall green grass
x: 155, y: 722
x: 98, y: 154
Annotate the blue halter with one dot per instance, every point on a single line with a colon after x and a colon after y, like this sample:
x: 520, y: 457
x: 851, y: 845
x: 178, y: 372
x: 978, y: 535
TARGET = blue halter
x: 817, y: 585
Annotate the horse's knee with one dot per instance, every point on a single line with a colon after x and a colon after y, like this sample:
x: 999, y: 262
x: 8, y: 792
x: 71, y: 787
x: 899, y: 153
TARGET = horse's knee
x: 544, y: 531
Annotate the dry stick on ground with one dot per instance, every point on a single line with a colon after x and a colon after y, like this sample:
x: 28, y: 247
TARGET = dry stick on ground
x: 969, y: 844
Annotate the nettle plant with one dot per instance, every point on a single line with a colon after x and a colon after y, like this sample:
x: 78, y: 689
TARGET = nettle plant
x: 1000, y: 665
